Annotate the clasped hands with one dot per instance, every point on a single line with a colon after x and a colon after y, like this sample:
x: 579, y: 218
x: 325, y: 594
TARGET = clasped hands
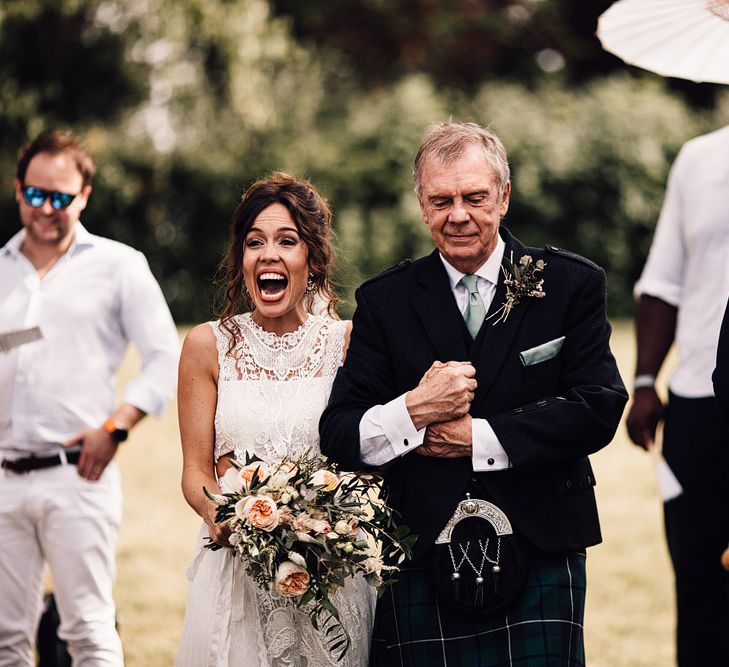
x: 440, y: 403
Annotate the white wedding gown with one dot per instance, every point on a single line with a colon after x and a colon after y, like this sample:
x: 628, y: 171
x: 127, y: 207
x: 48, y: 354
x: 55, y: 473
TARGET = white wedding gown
x: 270, y: 397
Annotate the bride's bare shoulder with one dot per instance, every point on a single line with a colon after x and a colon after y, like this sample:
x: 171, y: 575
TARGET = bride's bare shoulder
x: 200, y: 345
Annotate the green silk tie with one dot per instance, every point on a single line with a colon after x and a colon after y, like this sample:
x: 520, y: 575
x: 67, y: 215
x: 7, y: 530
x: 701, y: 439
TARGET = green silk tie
x: 475, y: 310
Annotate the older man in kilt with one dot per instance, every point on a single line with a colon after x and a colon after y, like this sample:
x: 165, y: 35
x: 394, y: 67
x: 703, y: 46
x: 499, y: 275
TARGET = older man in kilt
x: 479, y: 378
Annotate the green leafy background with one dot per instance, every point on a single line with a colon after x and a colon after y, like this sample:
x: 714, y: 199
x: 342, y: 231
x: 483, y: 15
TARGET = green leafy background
x: 185, y: 102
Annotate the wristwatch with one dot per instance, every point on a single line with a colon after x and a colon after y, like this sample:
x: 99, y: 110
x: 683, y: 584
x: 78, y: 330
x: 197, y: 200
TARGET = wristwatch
x: 115, y: 430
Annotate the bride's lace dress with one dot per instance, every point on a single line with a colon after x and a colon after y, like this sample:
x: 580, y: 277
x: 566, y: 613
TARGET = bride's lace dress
x: 271, y: 392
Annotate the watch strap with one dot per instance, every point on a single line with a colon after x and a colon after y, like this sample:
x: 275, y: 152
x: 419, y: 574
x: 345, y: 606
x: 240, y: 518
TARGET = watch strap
x: 117, y: 432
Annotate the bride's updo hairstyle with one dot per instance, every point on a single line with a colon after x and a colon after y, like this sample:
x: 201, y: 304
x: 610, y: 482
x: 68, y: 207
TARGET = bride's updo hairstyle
x: 313, y: 219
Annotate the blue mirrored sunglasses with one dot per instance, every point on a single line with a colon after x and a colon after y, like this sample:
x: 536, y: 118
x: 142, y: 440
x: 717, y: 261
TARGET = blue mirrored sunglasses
x: 36, y: 197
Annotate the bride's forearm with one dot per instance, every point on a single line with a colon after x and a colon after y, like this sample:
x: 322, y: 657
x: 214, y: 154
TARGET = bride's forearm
x: 193, y: 481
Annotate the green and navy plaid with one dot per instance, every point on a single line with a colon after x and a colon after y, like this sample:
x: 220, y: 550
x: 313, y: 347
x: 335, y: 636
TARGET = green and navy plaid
x: 541, y: 628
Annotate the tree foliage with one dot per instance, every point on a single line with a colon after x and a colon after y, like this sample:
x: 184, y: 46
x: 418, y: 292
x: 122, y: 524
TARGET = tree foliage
x: 185, y: 102
x: 460, y: 43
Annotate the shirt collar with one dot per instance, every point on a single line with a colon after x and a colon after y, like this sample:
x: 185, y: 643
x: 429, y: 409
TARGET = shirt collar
x: 82, y: 238
x: 489, y: 270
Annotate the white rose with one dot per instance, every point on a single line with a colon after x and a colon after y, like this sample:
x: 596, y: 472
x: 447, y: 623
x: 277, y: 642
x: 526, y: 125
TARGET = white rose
x: 240, y: 508
x: 231, y: 481
x: 341, y: 527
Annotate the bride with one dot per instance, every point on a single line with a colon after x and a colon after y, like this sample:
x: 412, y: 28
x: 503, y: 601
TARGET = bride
x: 257, y: 383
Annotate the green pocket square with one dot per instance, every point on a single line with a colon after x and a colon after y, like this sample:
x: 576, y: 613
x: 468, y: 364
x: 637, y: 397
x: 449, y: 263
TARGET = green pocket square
x: 540, y: 353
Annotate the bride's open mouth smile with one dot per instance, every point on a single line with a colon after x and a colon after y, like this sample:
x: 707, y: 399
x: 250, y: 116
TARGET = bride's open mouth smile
x: 272, y: 285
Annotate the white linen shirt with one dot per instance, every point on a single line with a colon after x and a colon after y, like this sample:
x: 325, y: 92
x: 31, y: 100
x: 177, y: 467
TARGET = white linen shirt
x: 688, y: 264
x: 99, y: 296
x: 387, y: 431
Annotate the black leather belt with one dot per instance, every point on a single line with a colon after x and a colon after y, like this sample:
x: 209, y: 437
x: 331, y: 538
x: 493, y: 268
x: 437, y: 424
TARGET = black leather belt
x: 28, y: 463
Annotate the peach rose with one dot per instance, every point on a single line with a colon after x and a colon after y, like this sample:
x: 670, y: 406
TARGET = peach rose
x: 285, y: 516
x: 246, y: 472
x: 291, y: 580
x: 324, y: 478
x: 261, y: 512
x: 301, y: 522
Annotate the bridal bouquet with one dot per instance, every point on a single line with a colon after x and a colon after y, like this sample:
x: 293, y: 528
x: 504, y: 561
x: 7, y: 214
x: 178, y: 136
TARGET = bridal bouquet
x: 301, y: 528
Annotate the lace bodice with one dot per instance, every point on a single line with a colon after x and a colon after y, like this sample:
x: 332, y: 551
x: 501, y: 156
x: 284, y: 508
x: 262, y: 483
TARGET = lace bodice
x: 272, y: 389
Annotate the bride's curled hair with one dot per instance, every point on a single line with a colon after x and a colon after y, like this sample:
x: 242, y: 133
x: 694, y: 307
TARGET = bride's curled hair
x: 313, y: 219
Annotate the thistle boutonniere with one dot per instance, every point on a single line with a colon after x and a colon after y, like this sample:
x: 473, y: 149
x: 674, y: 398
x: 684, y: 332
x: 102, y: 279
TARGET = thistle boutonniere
x: 521, y: 281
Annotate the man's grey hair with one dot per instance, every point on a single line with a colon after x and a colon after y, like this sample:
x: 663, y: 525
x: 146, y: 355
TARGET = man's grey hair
x: 450, y: 140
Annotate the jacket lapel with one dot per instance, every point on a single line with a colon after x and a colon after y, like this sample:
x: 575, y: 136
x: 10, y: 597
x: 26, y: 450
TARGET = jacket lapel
x: 495, y: 339
x: 438, y: 311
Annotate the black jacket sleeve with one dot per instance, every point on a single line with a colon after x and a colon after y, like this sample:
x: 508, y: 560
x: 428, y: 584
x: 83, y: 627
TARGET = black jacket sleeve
x: 721, y: 372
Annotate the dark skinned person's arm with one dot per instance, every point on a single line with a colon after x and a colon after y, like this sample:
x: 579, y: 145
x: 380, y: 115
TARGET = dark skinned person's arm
x: 655, y: 331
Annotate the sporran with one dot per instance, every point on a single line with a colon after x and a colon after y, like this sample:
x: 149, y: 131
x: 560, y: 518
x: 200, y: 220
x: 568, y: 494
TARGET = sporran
x: 479, y: 563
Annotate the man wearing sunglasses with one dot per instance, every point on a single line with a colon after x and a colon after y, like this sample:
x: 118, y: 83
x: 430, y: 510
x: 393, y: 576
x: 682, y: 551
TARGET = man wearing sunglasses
x: 86, y: 298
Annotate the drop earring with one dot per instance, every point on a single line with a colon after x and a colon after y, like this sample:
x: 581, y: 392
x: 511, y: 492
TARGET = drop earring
x: 310, y: 284
x: 247, y: 295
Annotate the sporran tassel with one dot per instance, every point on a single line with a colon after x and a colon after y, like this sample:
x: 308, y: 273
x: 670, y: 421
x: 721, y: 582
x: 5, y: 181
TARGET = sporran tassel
x: 456, y: 585
x: 478, y: 601
x: 496, y: 571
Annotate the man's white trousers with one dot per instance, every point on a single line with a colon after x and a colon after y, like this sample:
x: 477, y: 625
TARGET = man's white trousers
x: 55, y: 516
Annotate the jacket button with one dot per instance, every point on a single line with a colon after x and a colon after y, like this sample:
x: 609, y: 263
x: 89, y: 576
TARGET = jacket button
x: 541, y: 404
x: 568, y: 483
x: 516, y: 411
x: 490, y: 461
x: 405, y: 442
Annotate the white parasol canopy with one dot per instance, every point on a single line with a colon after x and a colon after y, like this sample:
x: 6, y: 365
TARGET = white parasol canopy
x: 688, y: 39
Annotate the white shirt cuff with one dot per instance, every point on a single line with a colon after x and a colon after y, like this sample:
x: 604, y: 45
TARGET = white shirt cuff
x: 488, y: 454
x: 398, y: 426
x: 387, y: 432
x: 661, y: 289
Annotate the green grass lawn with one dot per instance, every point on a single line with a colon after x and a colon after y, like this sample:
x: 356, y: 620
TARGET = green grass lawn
x: 629, y: 619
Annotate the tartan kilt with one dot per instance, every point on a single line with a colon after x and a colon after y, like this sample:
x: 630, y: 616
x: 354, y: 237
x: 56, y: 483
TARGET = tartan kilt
x: 541, y: 627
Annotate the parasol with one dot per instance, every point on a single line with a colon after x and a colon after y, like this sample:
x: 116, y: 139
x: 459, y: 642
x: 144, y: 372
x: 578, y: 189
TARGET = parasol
x: 688, y: 39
